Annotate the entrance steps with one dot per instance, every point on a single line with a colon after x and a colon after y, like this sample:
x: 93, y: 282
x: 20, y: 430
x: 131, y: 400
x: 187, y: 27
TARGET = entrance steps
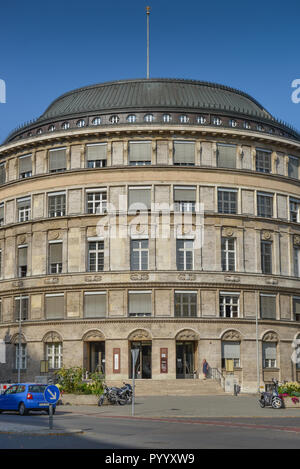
x: 173, y: 387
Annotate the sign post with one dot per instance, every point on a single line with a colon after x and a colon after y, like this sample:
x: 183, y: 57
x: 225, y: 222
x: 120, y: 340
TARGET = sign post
x: 135, y: 353
x: 51, y: 395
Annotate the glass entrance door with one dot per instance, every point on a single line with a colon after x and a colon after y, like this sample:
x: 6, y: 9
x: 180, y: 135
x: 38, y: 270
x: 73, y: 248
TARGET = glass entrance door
x: 143, y: 364
x: 97, y: 357
x: 185, y: 360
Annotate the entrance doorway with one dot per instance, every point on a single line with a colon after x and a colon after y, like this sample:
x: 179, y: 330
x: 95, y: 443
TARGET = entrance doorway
x: 143, y: 366
x: 97, y: 357
x: 185, y: 360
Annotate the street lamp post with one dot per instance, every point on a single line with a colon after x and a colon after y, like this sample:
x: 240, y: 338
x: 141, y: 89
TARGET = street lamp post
x: 20, y: 340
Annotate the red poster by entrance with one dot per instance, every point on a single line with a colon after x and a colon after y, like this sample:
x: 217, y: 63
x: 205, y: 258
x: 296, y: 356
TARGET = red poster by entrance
x: 164, y: 360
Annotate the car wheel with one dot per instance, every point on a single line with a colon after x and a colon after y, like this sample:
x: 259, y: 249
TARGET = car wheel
x: 22, y: 409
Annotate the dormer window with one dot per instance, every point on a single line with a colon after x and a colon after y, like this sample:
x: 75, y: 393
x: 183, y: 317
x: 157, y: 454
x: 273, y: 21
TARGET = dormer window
x: 247, y: 125
x: 51, y: 128
x: 167, y: 118
x: 217, y: 121
x: 114, y: 119
x: 131, y: 118
x: 232, y: 123
x: 39, y: 131
x: 65, y: 125
x: 184, y: 119
x: 201, y: 120
x: 96, y: 121
x: 80, y: 123
x: 149, y: 118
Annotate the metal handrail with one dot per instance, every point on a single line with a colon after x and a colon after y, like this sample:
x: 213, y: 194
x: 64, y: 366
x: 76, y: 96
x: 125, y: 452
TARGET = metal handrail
x: 217, y: 375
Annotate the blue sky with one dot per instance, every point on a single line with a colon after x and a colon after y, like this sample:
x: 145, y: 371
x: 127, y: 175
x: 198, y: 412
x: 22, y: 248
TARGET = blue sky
x: 48, y: 48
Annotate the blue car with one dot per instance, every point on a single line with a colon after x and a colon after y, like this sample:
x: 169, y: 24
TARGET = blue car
x: 24, y: 397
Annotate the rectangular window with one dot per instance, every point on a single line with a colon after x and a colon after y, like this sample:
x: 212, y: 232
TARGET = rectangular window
x: 293, y: 167
x: 267, y: 306
x: 57, y: 204
x: 95, y: 304
x: 2, y: 214
x: 228, y: 256
x: 54, y: 305
x: 55, y: 258
x: 139, y: 254
x: 269, y: 354
x: 54, y: 355
x: 96, y: 201
x: 185, y: 303
x: 226, y: 156
x: 231, y: 352
x: 184, y: 199
x: 140, y: 153
x: 139, y: 303
x: 263, y: 161
x: 23, y: 364
x: 294, y: 210
x: 24, y: 209
x: 185, y: 254
x: 264, y: 205
x: 25, y: 166
x: 57, y: 160
x: 139, y: 198
x: 96, y: 155
x: 227, y: 201
x: 95, y: 256
x: 21, y: 308
x: 184, y: 153
x: 296, y: 259
x: 296, y: 308
x: 2, y: 173
x: 266, y: 257
x: 229, y: 305
x: 22, y: 261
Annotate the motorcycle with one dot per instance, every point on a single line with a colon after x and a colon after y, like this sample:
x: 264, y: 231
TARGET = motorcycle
x: 113, y: 395
x: 127, y: 391
x: 271, y: 399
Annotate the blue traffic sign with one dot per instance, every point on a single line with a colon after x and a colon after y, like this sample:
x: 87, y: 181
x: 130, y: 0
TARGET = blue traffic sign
x: 51, y: 394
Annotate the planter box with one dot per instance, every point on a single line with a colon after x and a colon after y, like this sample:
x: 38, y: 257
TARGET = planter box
x: 288, y: 403
x: 79, y: 399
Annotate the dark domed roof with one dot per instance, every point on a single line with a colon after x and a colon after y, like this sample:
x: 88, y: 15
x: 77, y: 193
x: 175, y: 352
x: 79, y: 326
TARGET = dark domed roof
x: 153, y: 94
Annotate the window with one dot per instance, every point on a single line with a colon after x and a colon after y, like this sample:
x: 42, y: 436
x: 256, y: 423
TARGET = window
x: 140, y: 153
x: 21, y: 308
x: 184, y: 199
x: 264, y: 205
x: 267, y: 306
x: 201, y: 120
x: 247, y: 125
x: 96, y: 201
x: 95, y: 304
x: 54, y: 355
x: 22, y: 261
x: 149, y: 118
x: 184, y: 254
x: 55, y: 258
x: 80, y: 123
x: 260, y: 128
x: 217, y: 121
x: 294, y: 210
x: 2, y: 173
x: 231, y: 353
x: 65, y: 125
x: 139, y: 254
x: 23, y: 353
x: 96, y: 155
x: 57, y: 160
x: 51, y: 128
x: 293, y: 167
x: 269, y: 354
x: 226, y: 156
x: 296, y: 308
x: 184, y: 153
x: 25, y: 166
x: 266, y: 257
x: 185, y: 304
x: 54, y: 305
x: 96, y: 121
x: 57, y: 204
x: 184, y: 119
x: 229, y: 305
x: 227, y: 201
x: 263, y: 161
x: 39, y: 131
x: 24, y: 209
x: 95, y: 256
x: 232, y: 123
x: 296, y: 259
x: 114, y: 119
x: 2, y: 214
x: 167, y: 118
x: 131, y: 119
x: 139, y: 198
x: 139, y: 303
x: 228, y: 254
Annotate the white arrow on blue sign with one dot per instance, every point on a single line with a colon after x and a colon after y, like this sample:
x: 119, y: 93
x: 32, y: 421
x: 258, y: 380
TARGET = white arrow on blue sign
x: 51, y: 394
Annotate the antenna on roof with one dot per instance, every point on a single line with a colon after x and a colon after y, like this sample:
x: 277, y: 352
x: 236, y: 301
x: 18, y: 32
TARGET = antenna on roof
x: 148, y: 14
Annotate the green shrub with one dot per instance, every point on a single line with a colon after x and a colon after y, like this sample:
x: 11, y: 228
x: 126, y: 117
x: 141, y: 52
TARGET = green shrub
x: 70, y: 380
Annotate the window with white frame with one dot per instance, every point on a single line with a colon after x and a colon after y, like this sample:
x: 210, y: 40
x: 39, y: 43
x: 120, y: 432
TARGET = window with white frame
x: 139, y: 303
x: 25, y: 166
x: 184, y: 119
x: 96, y: 121
x: 114, y: 119
x: 131, y: 118
x: 23, y: 358
x: 80, y: 123
x: 57, y: 160
x: 21, y: 308
x: 266, y: 257
x: 231, y: 352
x: 24, y: 209
x: 293, y: 167
x: 55, y: 257
x: 95, y: 304
x: 54, y: 355
x: 229, y: 305
x: 185, y: 254
x: 264, y: 204
x: 54, y: 305
x: 217, y: 121
x: 96, y: 155
x: 269, y: 354
x: 140, y: 153
x: 95, y: 255
x: 149, y: 118
x: 139, y: 254
x: 227, y: 200
x: 184, y: 198
x: 167, y: 118
x: 294, y: 210
x: 184, y: 153
x: 57, y: 204
x: 96, y: 200
x: 263, y: 161
x: 228, y: 254
x: 267, y: 306
x: 185, y: 303
x: 226, y: 156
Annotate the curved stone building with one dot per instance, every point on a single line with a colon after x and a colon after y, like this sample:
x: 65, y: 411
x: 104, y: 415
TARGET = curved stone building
x: 97, y: 256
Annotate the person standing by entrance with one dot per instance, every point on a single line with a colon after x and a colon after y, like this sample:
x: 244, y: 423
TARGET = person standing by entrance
x: 205, y: 368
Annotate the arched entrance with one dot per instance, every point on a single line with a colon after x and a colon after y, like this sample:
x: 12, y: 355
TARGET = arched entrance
x: 141, y: 340
x: 186, y: 354
x: 94, y: 352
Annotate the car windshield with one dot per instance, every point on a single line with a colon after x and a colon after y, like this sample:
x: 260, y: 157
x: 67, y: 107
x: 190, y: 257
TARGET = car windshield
x: 37, y: 388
